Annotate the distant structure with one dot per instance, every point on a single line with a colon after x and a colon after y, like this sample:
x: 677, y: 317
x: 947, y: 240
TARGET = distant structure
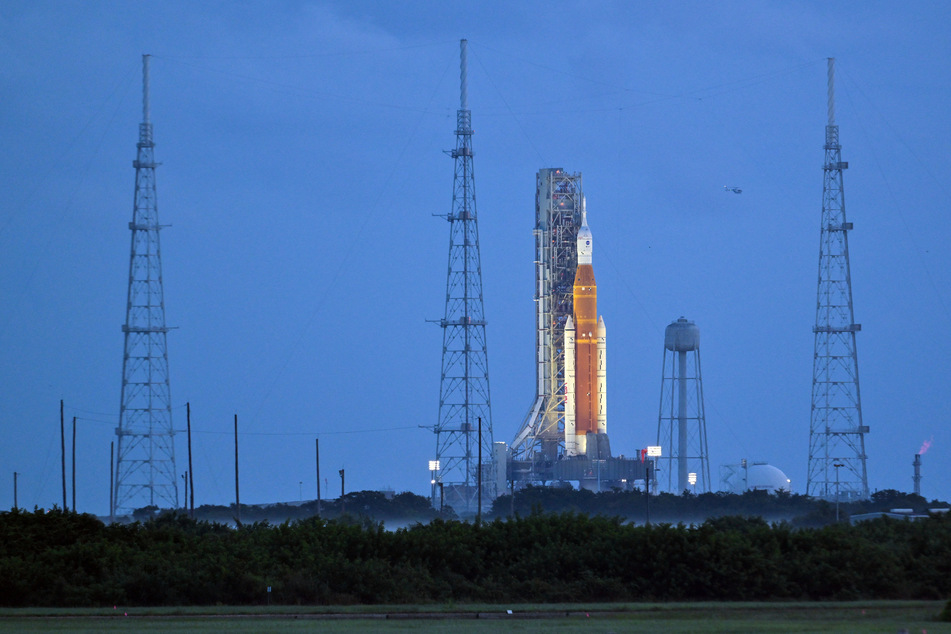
x: 558, y: 203
x: 917, y: 477
x: 464, y: 403
x: 145, y: 463
x: 837, y: 457
x: 563, y: 438
x: 681, y: 423
x: 756, y: 476
x: 586, y: 408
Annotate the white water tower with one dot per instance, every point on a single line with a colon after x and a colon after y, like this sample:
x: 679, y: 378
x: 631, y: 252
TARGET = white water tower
x: 681, y: 424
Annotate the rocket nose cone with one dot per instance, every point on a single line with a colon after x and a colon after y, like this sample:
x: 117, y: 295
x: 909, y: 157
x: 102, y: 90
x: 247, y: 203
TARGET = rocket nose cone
x: 585, y: 239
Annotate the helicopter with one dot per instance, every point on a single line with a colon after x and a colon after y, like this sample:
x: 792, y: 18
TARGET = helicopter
x: 735, y: 190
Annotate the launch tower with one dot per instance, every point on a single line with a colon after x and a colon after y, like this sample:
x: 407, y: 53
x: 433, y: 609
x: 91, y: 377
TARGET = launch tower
x: 836, y: 432
x: 464, y: 405
x: 558, y: 197
x: 145, y: 463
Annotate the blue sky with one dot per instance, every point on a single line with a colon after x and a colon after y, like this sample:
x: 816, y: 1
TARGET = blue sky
x: 302, y: 162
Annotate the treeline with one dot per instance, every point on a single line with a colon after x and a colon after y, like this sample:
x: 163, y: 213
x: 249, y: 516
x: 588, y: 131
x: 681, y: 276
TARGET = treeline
x: 58, y: 558
x: 403, y: 508
x: 634, y: 506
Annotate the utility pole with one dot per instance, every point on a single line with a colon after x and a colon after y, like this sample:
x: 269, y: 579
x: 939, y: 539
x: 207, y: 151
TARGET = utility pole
x: 237, y: 493
x: 191, y: 482
x: 317, y: 455
x: 837, y: 465
x: 112, y: 457
x: 479, y: 511
x: 15, y: 505
x: 74, y: 464
x: 343, y: 500
x: 62, y: 450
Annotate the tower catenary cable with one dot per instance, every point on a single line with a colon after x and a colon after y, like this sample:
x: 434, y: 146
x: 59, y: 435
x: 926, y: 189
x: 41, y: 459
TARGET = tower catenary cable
x: 464, y: 387
x: 837, y: 468
x: 145, y: 462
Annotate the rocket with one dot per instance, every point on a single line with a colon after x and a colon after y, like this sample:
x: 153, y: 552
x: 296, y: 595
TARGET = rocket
x: 585, y: 352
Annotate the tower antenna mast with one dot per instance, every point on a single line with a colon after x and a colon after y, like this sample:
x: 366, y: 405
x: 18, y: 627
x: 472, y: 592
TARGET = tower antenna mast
x: 836, y: 432
x: 145, y: 464
x: 464, y: 387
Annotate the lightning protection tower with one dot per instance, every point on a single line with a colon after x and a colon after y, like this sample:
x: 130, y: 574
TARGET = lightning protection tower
x: 836, y: 432
x: 681, y: 424
x: 145, y: 463
x: 464, y: 404
x: 558, y: 196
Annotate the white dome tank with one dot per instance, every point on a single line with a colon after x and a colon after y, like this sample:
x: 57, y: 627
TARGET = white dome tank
x: 759, y: 476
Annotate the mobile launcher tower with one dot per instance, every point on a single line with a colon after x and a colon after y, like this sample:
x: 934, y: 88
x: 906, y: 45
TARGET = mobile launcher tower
x: 564, y: 435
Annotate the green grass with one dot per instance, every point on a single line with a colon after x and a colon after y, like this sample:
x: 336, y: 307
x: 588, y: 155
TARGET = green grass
x: 858, y: 617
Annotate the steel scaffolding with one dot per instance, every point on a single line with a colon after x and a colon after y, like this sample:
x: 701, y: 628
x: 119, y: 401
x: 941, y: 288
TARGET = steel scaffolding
x: 145, y: 462
x: 837, y: 434
x: 558, y: 200
x: 464, y: 404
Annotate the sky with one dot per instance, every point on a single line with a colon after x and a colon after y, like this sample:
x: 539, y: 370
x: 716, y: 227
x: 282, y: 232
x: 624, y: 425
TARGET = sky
x: 303, y: 169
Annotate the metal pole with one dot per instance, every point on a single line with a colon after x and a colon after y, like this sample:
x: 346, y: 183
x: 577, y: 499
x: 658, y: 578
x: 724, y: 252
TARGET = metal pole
x: 74, y: 464
x: 647, y: 492
x: 343, y: 502
x: 15, y: 505
x: 62, y: 450
x: 191, y: 481
x: 112, y: 499
x: 837, y: 465
x: 479, y: 477
x: 237, y: 493
x: 682, y: 451
x: 317, y: 452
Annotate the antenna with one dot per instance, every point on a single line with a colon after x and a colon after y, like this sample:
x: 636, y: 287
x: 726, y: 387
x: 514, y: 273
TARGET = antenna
x: 831, y: 73
x: 463, y: 74
x: 145, y: 88
x: 836, y: 432
x: 464, y: 387
x: 145, y: 457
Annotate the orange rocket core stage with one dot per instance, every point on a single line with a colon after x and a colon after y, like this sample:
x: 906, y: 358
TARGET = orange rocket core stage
x: 586, y: 350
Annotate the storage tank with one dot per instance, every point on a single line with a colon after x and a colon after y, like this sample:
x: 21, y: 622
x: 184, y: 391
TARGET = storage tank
x: 682, y: 336
x: 759, y: 476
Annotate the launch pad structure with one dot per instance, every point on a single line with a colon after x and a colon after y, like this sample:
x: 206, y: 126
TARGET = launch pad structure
x: 558, y: 197
x: 553, y: 444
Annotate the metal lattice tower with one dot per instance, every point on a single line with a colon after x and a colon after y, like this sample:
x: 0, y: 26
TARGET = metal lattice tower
x: 145, y: 463
x: 836, y: 433
x: 558, y: 199
x: 464, y: 388
x: 681, y: 423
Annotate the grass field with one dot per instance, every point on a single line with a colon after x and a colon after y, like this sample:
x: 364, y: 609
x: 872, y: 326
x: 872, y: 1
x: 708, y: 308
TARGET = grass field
x: 879, y: 616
